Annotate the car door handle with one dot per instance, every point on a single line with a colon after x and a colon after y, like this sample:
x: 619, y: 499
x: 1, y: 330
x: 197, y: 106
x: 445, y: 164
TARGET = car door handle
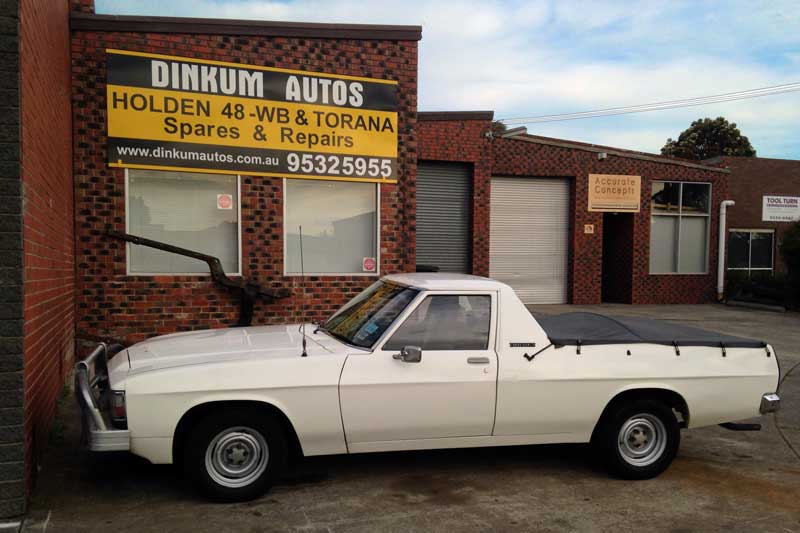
x: 478, y: 360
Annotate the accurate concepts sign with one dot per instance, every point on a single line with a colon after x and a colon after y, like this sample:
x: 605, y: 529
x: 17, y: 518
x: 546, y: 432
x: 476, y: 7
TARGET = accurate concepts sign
x: 614, y: 193
x: 780, y: 209
x: 177, y: 113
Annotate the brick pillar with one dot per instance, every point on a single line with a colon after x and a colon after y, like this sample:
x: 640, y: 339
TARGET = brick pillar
x: 12, y: 437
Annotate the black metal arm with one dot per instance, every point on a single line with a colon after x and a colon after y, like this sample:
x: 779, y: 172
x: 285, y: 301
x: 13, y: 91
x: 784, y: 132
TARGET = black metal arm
x: 248, y: 290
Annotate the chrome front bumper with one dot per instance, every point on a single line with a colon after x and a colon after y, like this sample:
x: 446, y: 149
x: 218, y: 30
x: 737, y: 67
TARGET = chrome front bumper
x: 91, y: 380
x: 770, y: 403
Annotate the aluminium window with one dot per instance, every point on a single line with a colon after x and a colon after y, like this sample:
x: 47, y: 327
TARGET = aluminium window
x: 191, y: 210
x: 680, y: 219
x: 751, y: 250
x: 340, y: 227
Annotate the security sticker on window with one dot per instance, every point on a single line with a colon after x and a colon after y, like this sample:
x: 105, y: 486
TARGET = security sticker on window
x: 224, y: 201
x: 368, y: 264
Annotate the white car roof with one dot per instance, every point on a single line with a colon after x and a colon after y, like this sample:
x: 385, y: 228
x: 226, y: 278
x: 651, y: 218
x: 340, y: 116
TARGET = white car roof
x: 443, y: 281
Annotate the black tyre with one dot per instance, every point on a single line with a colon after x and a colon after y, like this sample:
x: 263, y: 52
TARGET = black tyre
x: 235, y: 455
x: 638, y: 440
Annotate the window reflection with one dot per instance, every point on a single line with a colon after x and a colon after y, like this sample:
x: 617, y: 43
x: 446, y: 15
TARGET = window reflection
x: 191, y: 210
x: 340, y: 225
x: 666, y: 197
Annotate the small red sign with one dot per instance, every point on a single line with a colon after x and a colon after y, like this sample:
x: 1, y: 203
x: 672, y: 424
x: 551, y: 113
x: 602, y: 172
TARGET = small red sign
x: 224, y: 201
x: 368, y: 264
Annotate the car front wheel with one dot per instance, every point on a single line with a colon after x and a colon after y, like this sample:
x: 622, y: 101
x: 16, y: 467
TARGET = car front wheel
x: 638, y: 440
x: 235, y: 455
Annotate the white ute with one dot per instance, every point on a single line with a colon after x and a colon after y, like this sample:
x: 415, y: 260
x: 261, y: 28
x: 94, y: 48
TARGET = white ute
x: 418, y: 361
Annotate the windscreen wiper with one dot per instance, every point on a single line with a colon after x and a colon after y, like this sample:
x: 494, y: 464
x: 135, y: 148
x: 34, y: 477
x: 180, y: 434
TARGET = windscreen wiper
x: 337, y: 336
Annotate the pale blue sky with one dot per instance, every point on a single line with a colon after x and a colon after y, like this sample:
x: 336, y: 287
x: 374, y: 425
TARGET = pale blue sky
x: 523, y: 58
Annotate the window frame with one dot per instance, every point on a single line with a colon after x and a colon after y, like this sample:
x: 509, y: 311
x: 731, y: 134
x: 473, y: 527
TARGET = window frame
x: 375, y: 274
x: 749, y: 268
x: 680, y: 214
x: 380, y: 344
x: 128, y: 245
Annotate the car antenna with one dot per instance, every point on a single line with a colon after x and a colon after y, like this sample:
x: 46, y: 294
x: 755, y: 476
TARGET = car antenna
x: 303, y: 286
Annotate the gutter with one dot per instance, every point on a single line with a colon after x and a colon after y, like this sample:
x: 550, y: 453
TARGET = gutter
x: 236, y: 27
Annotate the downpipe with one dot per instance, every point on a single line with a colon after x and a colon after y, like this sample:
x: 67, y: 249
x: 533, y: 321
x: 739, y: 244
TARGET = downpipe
x: 723, y: 209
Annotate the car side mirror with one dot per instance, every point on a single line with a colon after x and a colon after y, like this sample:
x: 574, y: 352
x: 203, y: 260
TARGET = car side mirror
x: 409, y: 354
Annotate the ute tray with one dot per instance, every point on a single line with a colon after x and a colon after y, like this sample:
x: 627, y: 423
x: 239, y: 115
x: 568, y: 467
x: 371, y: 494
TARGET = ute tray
x: 580, y: 328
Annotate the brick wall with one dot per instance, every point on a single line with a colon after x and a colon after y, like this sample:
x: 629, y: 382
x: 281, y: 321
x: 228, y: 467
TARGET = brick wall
x: 112, y: 304
x: 751, y: 179
x: 12, y: 486
x: 36, y: 238
x: 48, y: 216
x: 443, y: 138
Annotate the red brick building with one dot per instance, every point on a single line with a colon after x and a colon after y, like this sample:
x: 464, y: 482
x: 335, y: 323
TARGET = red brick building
x: 462, y: 198
x: 596, y: 256
x: 113, y: 301
x: 755, y: 225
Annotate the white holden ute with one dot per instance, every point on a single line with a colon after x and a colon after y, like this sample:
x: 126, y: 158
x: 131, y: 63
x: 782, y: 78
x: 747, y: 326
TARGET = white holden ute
x: 418, y: 361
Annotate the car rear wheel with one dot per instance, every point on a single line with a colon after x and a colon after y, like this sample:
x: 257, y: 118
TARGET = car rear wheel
x: 235, y: 455
x: 638, y: 440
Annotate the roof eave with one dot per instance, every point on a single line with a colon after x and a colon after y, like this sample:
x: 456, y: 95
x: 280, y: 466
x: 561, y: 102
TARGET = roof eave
x: 617, y: 153
x: 237, y: 27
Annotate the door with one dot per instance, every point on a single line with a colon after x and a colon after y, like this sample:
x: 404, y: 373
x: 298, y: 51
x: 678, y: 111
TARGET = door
x: 444, y: 216
x: 450, y: 392
x: 617, y: 277
x: 529, y: 237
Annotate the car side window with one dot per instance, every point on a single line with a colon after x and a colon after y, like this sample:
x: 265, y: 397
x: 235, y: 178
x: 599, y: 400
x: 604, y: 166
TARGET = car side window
x: 446, y: 322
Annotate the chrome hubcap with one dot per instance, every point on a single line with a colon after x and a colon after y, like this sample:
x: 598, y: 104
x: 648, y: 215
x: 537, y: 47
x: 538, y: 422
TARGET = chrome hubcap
x: 237, y: 456
x: 642, y: 439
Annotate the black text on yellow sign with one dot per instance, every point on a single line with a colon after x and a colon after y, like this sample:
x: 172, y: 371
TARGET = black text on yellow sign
x: 199, y: 129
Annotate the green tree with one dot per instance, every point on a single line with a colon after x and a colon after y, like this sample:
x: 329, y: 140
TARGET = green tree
x: 707, y: 138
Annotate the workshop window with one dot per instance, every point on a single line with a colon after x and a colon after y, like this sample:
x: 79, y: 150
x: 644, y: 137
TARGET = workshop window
x: 199, y: 212
x: 750, y: 250
x: 679, y: 227
x: 340, y: 227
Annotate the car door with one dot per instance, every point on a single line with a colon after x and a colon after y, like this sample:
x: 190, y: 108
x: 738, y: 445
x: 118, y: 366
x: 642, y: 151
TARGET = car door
x: 450, y: 392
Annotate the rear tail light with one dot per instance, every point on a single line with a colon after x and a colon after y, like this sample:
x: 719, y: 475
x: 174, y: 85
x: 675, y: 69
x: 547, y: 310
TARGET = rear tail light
x: 118, y: 411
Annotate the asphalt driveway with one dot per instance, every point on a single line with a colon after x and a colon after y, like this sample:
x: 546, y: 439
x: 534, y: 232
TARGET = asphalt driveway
x: 721, y: 480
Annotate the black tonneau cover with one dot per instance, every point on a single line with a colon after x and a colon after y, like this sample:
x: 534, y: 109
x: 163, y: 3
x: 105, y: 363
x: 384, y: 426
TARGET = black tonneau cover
x: 576, y: 329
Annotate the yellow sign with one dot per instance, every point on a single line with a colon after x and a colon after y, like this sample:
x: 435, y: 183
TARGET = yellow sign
x: 167, y: 112
x: 614, y: 193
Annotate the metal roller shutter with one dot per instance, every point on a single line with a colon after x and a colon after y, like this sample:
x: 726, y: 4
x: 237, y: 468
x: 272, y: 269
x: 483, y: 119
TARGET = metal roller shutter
x: 444, y: 216
x: 529, y: 242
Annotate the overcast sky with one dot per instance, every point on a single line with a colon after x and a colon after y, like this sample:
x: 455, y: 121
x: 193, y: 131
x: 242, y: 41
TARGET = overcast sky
x: 523, y: 58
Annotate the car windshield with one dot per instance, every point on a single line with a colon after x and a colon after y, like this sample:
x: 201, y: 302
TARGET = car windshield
x: 362, y: 320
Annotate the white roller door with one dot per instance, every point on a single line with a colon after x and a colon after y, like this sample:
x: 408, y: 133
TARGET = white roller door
x: 529, y: 239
